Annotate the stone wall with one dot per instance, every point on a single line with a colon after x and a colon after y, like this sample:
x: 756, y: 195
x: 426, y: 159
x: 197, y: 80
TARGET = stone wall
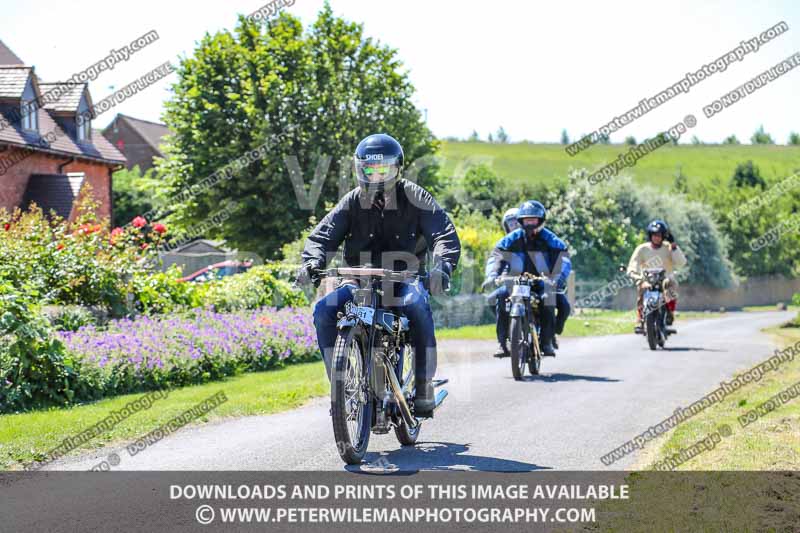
x: 754, y: 291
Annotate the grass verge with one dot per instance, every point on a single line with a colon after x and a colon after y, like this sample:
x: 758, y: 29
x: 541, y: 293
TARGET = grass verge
x: 26, y: 437
x: 770, y: 443
x: 743, y: 483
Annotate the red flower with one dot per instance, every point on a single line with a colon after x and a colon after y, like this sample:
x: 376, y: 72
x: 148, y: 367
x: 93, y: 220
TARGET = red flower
x: 60, y: 246
x: 115, y: 233
x: 144, y: 246
x: 6, y: 226
x: 159, y: 228
x: 139, y: 222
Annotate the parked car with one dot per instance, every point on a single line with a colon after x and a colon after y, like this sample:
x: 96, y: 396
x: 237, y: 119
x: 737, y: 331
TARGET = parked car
x: 219, y: 271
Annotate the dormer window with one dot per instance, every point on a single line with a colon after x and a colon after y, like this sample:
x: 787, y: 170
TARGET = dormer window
x: 30, y: 119
x: 84, y: 128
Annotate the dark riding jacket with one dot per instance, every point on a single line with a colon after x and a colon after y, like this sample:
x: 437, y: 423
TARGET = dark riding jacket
x: 410, y: 222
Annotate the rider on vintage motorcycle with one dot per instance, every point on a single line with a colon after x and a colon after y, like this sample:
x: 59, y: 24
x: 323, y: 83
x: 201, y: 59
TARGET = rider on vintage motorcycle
x: 535, y: 249
x: 392, y: 223
x: 499, y: 296
x: 653, y: 254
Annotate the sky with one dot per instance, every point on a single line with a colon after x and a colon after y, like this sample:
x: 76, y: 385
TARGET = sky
x: 532, y: 67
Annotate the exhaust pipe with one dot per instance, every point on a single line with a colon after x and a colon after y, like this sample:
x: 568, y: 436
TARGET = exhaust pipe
x: 405, y: 411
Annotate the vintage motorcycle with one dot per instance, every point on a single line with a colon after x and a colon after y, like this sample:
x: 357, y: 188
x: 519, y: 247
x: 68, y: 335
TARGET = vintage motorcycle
x: 372, y: 382
x: 524, y: 327
x: 654, y: 308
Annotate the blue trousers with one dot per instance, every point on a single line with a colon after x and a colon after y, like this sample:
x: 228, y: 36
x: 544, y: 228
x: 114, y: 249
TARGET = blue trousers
x: 412, y: 301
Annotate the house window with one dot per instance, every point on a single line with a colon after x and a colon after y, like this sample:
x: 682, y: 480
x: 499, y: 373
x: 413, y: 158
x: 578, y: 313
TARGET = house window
x: 29, y: 117
x: 84, y: 128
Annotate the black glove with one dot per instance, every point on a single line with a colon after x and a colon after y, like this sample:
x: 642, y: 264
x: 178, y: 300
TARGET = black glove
x: 670, y: 239
x: 440, y: 278
x: 310, y: 272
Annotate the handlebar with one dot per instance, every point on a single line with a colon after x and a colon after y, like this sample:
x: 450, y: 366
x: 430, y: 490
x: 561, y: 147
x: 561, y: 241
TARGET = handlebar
x: 369, y: 272
x: 524, y: 276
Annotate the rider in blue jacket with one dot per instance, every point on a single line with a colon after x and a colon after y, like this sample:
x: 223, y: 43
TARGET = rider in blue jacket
x: 535, y: 249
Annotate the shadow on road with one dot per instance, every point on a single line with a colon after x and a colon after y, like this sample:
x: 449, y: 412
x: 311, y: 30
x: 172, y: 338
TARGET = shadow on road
x: 689, y: 349
x: 553, y: 378
x: 437, y: 456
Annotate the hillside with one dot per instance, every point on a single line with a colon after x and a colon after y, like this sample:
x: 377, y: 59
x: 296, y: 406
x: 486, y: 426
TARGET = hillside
x: 699, y: 163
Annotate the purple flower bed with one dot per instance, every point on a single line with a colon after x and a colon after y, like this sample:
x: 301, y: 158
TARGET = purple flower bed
x: 147, y: 353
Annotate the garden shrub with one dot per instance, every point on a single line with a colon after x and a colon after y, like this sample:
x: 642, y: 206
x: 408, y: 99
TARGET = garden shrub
x: 35, y: 370
x: 75, y: 263
x: 258, y: 287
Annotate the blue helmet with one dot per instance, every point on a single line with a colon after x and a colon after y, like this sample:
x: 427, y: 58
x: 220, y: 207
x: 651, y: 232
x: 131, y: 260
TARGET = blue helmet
x: 378, y: 161
x: 531, y: 209
x: 657, y: 226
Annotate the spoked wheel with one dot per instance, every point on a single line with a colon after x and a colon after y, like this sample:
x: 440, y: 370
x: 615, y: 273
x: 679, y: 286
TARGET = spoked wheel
x: 520, y: 349
x: 351, y: 410
x: 535, y: 360
x: 652, y: 332
x: 405, y: 434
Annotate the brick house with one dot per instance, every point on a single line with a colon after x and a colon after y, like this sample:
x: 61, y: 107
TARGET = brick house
x: 139, y: 140
x: 47, y: 156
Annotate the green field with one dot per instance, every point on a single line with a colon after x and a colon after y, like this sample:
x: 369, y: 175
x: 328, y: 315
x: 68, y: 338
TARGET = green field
x: 545, y: 162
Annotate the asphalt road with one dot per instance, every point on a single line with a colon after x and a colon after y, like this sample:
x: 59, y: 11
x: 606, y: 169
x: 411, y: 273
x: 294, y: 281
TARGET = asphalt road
x: 598, y: 393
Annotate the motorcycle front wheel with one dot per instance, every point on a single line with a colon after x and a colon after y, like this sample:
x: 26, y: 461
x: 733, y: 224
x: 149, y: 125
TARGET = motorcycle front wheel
x: 519, y: 347
x: 651, y: 326
x: 351, y: 409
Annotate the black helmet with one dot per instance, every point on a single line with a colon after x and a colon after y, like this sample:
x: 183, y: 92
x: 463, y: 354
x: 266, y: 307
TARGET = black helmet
x: 657, y: 226
x: 510, y: 219
x: 531, y: 209
x: 378, y: 161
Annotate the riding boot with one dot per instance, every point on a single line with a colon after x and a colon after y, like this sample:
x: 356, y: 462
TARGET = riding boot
x: 502, y: 350
x: 547, y: 348
x: 425, y: 400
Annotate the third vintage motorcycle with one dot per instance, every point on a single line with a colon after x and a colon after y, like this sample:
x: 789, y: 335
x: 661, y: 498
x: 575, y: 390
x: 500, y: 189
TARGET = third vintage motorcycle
x: 654, y: 308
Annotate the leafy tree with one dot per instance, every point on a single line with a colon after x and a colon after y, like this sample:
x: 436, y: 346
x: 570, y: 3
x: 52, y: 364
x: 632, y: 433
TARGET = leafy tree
x: 747, y: 175
x: 490, y: 138
x: 794, y: 139
x: 743, y: 229
x: 474, y: 137
x: 306, y: 98
x: 603, y: 225
x: 134, y: 194
x: 731, y: 139
x: 696, y: 140
x: 604, y: 138
x: 481, y: 186
x: 761, y: 137
x: 564, y: 137
x: 630, y: 140
x: 502, y: 136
